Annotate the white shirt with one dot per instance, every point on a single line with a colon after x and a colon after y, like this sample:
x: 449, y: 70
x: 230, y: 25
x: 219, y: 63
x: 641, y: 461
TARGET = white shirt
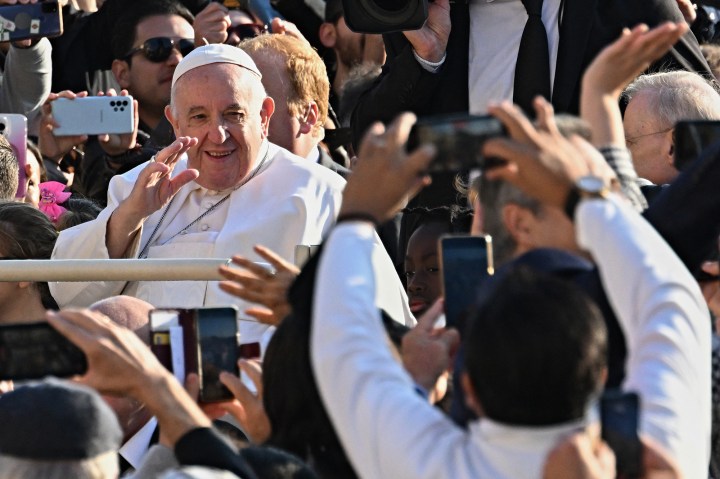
x: 135, y: 449
x: 380, y: 419
x: 496, y: 28
x: 290, y: 202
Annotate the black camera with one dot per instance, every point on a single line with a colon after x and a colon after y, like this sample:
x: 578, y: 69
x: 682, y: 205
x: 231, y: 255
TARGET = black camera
x: 385, y: 16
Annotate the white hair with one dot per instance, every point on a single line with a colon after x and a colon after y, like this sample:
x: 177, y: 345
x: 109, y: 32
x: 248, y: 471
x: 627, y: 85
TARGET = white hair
x: 102, y: 466
x: 678, y: 95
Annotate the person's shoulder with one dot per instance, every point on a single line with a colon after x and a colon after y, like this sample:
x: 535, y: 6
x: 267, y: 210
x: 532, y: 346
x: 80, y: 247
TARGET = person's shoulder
x: 304, y: 170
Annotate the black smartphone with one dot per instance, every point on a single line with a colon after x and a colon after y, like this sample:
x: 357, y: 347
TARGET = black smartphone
x: 620, y: 417
x: 32, y: 20
x: 464, y: 261
x: 36, y: 350
x: 217, y: 342
x: 691, y: 138
x: 458, y: 140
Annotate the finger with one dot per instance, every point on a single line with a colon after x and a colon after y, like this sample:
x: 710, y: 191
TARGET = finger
x: 77, y: 335
x: 274, y: 259
x: 242, y: 292
x: 192, y: 386
x: 545, y: 115
x: 237, y: 388
x: 711, y: 267
x: 372, y: 135
x: 429, y: 318
x: 399, y: 130
x: 263, y: 315
x: 258, y: 270
x: 506, y: 149
x: 254, y: 371
x: 517, y: 124
x: 182, y: 179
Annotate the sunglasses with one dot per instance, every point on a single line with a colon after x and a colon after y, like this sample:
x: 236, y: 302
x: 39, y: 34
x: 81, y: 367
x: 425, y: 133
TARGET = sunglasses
x: 158, y: 49
x: 247, y: 30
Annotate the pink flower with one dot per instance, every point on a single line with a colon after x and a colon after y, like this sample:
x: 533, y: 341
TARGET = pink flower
x: 52, y: 195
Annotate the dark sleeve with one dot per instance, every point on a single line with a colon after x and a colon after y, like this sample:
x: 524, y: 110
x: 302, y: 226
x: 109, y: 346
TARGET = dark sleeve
x: 686, y: 213
x: 205, y: 447
x: 403, y: 85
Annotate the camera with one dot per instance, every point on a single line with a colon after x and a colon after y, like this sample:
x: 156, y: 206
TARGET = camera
x: 385, y: 16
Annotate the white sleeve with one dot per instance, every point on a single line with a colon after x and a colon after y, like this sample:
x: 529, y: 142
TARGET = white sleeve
x: 385, y: 427
x: 666, y: 325
x: 87, y: 241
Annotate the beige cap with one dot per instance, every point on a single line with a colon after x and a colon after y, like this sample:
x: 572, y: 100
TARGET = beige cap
x: 214, y: 53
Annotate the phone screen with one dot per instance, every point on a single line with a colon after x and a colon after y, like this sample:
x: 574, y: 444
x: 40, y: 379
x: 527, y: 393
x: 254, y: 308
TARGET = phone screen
x: 620, y: 415
x: 32, y: 20
x: 457, y: 138
x: 465, y: 260
x: 691, y: 138
x: 33, y: 351
x: 217, y: 335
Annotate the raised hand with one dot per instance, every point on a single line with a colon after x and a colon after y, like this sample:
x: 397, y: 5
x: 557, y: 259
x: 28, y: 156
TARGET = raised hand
x: 257, y: 284
x: 211, y: 24
x: 385, y: 176
x: 51, y: 146
x: 430, y: 41
x: 153, y: 189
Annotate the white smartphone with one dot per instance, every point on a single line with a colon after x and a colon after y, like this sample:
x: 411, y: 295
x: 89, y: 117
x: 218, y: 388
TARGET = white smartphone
x: 14, y: 128
x: 93, y: 115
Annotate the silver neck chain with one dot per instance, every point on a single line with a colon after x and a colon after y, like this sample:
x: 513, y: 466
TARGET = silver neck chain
x: 252, y: 175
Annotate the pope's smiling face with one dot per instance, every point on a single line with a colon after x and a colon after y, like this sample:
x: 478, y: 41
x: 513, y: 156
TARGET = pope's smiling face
x: 225, y: 107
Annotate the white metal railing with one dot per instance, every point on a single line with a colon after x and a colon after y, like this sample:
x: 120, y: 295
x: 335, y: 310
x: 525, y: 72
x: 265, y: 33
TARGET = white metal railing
x: 73, y: 270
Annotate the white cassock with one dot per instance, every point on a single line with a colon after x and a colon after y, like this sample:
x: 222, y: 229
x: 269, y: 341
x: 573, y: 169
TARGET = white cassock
x: 290, y: 201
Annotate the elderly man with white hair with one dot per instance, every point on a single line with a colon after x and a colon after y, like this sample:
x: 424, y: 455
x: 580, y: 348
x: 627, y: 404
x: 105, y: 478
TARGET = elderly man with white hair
x: 219, y: 189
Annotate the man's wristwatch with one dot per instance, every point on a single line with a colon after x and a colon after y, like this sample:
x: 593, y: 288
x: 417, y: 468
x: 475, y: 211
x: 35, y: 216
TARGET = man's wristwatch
x: 585, y: 187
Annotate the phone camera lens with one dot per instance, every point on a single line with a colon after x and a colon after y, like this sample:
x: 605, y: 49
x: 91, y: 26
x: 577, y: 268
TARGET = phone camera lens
x: 2, y: 126
x: 115, y: 109
x: 112, y: 103
x: 125, y: 103
x: 122, y: 109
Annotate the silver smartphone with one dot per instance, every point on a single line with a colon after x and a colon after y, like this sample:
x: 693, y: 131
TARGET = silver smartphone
x: 93, y: 115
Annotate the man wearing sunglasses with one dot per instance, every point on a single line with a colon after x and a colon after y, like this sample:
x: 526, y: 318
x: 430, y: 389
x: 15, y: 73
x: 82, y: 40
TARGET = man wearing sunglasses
x: 217, y: 191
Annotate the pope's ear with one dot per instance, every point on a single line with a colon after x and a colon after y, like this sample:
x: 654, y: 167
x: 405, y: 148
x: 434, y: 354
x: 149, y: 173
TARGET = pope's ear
x: 266, y: 111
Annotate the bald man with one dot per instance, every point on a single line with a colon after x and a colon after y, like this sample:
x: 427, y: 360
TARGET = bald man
x: 138, y: 425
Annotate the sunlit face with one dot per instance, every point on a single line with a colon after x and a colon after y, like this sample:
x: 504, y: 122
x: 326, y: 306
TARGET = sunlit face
x: 422, y: 267
x: 32, y: 170
x: 147, y: 81
x: 224, y: 106
x: 649, y: 141
x: 349, y: 45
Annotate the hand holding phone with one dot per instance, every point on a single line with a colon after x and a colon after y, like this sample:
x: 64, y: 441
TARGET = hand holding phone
x: 93, y: 115
x: 458, y: 139
x: 24, y: 21
x: 37, y: 350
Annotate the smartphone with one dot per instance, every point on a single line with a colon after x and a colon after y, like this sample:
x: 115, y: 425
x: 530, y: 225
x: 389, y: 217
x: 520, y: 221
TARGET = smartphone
x: 93, y: 115
x: 14, y: 128
x: 464, y: 261
x: 36, y: 350
x: 458, y: 139
x: 32, y: 20
x: 620, y: 417
x: 217, y: 343
x: 691, y: 138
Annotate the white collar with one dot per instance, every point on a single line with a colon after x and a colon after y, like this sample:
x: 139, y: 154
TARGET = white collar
x: 314, y: 155
x: 136, y: 447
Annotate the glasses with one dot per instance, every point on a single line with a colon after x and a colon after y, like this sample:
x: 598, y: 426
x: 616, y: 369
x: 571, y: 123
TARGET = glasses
x: 632, y: 141
x: 158, y: 49
x: 247, y: 30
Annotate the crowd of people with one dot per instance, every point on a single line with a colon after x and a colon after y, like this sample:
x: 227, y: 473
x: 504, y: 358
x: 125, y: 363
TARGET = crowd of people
x: 272, y: 135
